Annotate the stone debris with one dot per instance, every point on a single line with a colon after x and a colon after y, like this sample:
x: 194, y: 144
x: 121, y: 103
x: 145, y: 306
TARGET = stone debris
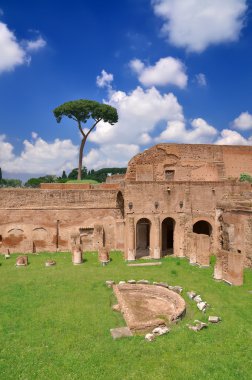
x: 50, y: 263
x: 177, y: 289
x: 110, y: 283
x: 131, y: 282
x: 120, y: 332
x: 191, y: 294
x: 149, y: 337
x: 197, y: 298
x: 202, y: 306
x: 122, y: 282
x: 22, y: 261
x: 144, y: 282
x: 214, y: 319
x: 161, y: 330
x: 77, y: 254
x: 144, y: 264
x: 116, y: 308
x: 199, y: 326
x: 163, y: 284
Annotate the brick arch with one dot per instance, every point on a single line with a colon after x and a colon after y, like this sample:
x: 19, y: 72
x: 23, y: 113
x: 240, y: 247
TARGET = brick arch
x: 143, y: 231
x: 168, y: 225
x: 39, y: 239
x: 202, y: 226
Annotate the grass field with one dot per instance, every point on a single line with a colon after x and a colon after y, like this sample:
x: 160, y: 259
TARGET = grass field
x: 92, y: 181
x: 54, y: 324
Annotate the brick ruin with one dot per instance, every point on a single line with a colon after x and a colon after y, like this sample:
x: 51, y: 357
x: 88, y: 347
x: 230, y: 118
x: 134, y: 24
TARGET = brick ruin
x: 178, y: 199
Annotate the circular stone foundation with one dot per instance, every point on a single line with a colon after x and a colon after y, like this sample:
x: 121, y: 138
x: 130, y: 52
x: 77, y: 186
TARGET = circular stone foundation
x: 145, y: 307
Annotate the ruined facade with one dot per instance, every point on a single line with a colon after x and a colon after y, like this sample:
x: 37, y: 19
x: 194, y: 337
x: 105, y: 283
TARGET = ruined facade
x: 176, y: 199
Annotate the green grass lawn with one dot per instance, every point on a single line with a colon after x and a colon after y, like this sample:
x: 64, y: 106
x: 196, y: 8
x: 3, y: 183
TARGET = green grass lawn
x: 92, y: 181
x: 54, y: 324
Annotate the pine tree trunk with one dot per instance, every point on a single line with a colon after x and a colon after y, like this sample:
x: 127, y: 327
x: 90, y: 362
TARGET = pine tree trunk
x: 83, y: 141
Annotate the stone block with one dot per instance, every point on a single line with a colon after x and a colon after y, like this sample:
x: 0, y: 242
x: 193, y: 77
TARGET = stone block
x: 120, y: 332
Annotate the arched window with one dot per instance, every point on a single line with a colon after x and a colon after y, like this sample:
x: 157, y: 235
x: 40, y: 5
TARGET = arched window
x: 143, y: 238
x: 202, y: 227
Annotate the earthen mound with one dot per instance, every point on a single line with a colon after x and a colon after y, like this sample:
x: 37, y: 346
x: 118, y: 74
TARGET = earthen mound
x: 147, y: 306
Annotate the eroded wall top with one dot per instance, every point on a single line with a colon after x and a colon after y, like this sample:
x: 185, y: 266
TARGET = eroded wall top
x: 184, y: 162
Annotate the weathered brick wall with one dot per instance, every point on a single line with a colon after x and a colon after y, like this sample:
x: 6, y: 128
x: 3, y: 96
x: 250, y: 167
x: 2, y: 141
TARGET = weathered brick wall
x: 190, y: 162
x: 39, y: 220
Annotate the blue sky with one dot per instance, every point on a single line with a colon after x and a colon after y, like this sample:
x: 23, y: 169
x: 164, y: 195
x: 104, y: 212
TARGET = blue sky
x: 177, y: 71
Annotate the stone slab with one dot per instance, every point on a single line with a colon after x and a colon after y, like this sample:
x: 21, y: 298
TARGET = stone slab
x: 144, y: 264
x: 120, y: 332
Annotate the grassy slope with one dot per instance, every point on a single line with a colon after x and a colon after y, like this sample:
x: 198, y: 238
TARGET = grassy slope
x: 54, y: 324
x: 82, y: 181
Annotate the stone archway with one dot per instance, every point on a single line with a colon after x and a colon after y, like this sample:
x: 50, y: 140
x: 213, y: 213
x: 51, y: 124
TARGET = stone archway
x: 143, y: 228
x: 168, y: 227
x: 201, y: 243
x: 202, y: 227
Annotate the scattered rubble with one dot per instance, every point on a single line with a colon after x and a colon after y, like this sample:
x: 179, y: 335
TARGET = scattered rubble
x: 22, y: 261
x: 120, y: 332
x: 110, y: 283
x: 197, y: 298
x: 131, y: 282
x: 143, y: 282
x: 202, y: 306
x: 177, y: 289
x: 50, y: 263
x: 116, y: 308
x: 161, y: 330
x: 164, y: 284
x: 214, y: 319
x: 198, y: 326
x: 149, y: 337
x: 191, y: 294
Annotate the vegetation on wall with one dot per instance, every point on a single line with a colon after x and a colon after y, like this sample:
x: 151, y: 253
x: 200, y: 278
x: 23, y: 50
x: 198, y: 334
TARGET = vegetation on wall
x: 245, y: 177
x: 88, y: 176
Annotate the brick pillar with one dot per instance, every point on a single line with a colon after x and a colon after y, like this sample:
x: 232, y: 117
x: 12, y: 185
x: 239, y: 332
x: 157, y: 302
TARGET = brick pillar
x: 156, y: 238
x: 131, y: 239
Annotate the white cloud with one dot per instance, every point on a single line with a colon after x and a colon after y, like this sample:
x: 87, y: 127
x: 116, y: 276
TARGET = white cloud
x: 243, y: 121
x: 104, y: 79
x: 136, y: 65
x: 36, y: 44
x: 201, y: 79
x: 176, y: 131
x: 166, y: 71
x: 39, y: 156
x: 229, y: 137
x: 196, y: 24
x: 139, y: 113
x: 6, y: 150
x: 14, y: 53
x: 34, y: 135
x: 11, y: 53
x: 110, y: 155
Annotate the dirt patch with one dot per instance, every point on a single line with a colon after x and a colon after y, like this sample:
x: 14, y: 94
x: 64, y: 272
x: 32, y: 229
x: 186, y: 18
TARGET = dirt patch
x: 147, y: 306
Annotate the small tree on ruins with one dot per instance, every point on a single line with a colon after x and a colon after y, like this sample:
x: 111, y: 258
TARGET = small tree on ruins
x: 81, y: 111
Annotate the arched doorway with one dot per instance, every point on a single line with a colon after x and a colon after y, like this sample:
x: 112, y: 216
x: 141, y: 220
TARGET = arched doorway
x: 120, y: 202
x: 168, y: 226
x: 202, y: 227
x: 143, y: 238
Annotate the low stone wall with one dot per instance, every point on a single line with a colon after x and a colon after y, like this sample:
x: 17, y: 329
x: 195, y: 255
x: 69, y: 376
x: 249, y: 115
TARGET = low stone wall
x: 229, y: 267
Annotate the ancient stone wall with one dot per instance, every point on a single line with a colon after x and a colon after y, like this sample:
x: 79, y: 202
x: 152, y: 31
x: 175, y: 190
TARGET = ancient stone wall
x: 229, y: 267
x: 183, y: 162
x: 40, y: 220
